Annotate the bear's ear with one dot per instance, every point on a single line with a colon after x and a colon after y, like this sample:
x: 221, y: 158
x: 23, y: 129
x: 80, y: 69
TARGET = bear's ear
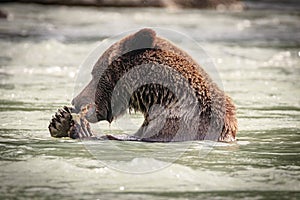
x: 139, y: 40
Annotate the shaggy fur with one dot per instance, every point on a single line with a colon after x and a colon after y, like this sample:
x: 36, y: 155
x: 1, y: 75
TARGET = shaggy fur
x: 213, y: 120
x: 149, y: 74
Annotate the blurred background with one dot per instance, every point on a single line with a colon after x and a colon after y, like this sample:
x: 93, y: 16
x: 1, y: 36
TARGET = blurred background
x: 255, y: 46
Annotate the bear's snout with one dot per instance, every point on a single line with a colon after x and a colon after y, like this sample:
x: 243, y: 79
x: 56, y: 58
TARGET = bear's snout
x: 89, y: 112
x: 85, y: 102
x: 86, y: 108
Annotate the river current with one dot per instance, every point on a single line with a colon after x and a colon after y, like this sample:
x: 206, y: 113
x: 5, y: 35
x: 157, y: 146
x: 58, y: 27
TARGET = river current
x: 257, y: 56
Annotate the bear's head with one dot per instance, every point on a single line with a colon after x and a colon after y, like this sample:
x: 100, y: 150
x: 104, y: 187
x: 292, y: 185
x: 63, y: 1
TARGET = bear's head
x: 94, y: 99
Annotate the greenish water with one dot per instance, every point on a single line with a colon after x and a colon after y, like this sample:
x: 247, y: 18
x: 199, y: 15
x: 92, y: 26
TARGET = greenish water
x: 256, y: 54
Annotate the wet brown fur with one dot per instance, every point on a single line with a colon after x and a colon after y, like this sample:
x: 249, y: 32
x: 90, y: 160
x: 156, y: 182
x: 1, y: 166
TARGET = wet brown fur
x: 216, y: 118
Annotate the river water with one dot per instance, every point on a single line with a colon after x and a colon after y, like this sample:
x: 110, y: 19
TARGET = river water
x: 257, y: 56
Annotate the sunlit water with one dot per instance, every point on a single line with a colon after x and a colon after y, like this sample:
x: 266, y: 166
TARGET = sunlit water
x: 256, y: 53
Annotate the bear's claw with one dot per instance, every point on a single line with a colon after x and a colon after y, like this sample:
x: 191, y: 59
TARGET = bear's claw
x: 64, y: 125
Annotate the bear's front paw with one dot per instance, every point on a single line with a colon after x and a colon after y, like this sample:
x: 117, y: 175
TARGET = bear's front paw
x: 62, y: 124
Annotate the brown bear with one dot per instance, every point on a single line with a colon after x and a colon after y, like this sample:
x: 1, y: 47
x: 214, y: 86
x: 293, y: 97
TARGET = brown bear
x: 149, y: 74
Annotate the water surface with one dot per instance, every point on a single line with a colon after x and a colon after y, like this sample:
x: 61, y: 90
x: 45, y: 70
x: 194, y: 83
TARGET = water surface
x: 256, y: 53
